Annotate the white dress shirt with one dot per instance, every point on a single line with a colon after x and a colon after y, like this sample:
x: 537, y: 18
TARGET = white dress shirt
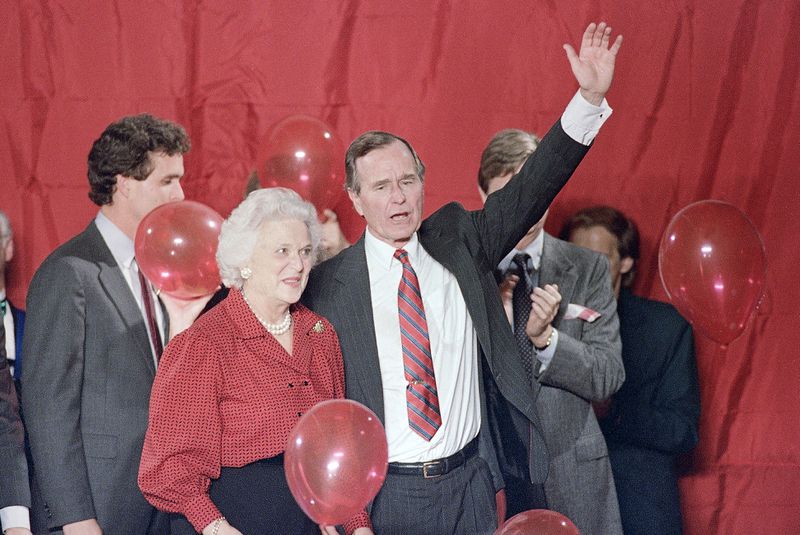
x: 121, y: 247
x: 8, y: 323
x: 453, y: 346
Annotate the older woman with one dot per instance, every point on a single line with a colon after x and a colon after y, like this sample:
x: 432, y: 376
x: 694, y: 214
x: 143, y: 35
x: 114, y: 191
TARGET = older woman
x: 231, y: 387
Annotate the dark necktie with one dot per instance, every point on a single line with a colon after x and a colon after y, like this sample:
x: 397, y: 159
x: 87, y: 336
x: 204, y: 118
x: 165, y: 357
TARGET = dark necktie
x: 521, y: 301
x: 150, y: 312
x: 3, y: 353
x: 3, y: 341
x: 422, y: 399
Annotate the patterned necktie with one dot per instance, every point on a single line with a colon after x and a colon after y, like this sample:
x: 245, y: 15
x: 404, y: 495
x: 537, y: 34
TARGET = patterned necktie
x: 422, y: 399
x: 150, y: 312
x: 521, y: 300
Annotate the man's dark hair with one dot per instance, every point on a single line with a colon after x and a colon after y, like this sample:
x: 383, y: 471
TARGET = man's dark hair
x: 615, y: 222
x: 124, y: 148
x: 366, y: 143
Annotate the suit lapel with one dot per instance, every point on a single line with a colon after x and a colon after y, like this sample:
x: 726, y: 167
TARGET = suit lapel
x: 457, y: 260
x: 119, y: 294
x: 355, y: 308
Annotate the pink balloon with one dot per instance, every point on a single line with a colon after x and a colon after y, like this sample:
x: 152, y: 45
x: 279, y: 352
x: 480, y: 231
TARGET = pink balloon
x: 335, y: 460
x: 713, y: 268
x: 538, y: 522
x: 176, y: 247
x: 303, y: 153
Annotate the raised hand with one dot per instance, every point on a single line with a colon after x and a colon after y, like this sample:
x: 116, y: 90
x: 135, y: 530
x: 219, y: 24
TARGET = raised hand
x: 593, y: 67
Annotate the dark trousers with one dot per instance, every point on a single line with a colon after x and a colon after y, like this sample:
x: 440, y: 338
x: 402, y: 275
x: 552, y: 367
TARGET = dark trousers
x: 255, y: 499
x: 461, y: 502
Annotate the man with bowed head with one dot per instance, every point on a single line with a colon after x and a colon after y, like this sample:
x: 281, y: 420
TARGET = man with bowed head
x: 425, y: 327
x: 655, y: 415
x: 94, y: 333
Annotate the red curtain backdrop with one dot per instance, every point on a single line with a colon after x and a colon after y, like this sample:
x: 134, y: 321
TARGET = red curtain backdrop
x: 706, y: 107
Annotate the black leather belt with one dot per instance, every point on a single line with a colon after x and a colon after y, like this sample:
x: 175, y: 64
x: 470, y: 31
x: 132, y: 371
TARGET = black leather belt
x: 438, y: 467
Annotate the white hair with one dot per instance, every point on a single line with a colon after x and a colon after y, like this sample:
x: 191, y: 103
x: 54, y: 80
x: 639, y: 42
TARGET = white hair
x: 239, y: 233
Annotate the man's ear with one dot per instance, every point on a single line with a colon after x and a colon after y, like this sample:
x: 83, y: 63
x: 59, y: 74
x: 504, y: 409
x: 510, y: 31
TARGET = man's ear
x: 123, y: 185
x: 356, y: 200
x: 8, y: 249
x: 625, y: 265
x: 482, y: 194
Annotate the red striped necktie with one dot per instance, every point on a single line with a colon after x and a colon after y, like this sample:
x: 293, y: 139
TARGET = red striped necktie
x: 422, y: 399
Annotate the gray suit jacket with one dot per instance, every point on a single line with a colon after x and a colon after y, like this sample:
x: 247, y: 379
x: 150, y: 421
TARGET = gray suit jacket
x: 469, y: 245
x: 86, y: 388
x: 14, y: 488
x: 587, y: 366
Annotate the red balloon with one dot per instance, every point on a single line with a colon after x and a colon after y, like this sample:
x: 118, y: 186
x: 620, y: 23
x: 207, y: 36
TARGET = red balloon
x: 304, y: 154
x: 335, y: 460
x: 538, y: 522
x: 713, y: 268
x: 176, y: 247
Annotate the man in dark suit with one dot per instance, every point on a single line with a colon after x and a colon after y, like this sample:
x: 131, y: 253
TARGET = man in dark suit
x: 15, y: 496
x: 654, y: 416
x: 12, y: 317
x: 560, y: 303
x: 93, y: 339
x: 419, y: 317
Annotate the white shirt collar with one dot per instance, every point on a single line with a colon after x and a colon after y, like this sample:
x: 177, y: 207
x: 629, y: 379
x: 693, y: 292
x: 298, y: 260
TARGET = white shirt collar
x: 381, y: 253
x: 118, y: 242
x: 534, y: 250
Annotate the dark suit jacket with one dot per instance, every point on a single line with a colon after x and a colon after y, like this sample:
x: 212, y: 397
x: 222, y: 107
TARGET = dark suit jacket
x: 586, y: 367
x: 469, y: 245
x: 655, y: 414
x: 86, y: 388
x: 14, y: 488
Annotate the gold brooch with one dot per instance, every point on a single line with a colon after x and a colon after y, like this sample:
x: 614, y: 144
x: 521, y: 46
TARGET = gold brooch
x: 318, y: 327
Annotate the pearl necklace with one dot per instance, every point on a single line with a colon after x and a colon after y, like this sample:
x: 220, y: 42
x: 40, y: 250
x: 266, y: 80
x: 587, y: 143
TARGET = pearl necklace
x: 275, y: 329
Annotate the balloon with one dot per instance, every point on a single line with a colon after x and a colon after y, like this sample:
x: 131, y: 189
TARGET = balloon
x: 335, y: 460
x: 713, y: 267
x: 538, y: 522
x: 304, y: 154
x: 176, y: 247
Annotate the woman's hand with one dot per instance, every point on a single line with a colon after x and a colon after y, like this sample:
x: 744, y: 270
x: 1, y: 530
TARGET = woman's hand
x: 331, y: 530
x: 224, y: 529
x: 182, y: 312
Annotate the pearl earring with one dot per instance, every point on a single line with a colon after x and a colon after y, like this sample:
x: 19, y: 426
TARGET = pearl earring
x: 245, y: 272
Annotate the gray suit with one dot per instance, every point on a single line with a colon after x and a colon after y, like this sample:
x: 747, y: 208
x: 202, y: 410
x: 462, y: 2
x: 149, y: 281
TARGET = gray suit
x: 13, y: 465
x: 586, y: 366
x: 86, y: 388
x: 469, y: 245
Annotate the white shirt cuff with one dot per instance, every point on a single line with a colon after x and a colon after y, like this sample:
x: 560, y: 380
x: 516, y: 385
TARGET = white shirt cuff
x: 15, y: 516
x: 582, y: 120
x: 546, y: 355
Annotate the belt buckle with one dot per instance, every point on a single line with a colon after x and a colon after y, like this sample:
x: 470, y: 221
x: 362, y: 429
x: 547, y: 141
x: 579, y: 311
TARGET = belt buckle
x: 431, y: 465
